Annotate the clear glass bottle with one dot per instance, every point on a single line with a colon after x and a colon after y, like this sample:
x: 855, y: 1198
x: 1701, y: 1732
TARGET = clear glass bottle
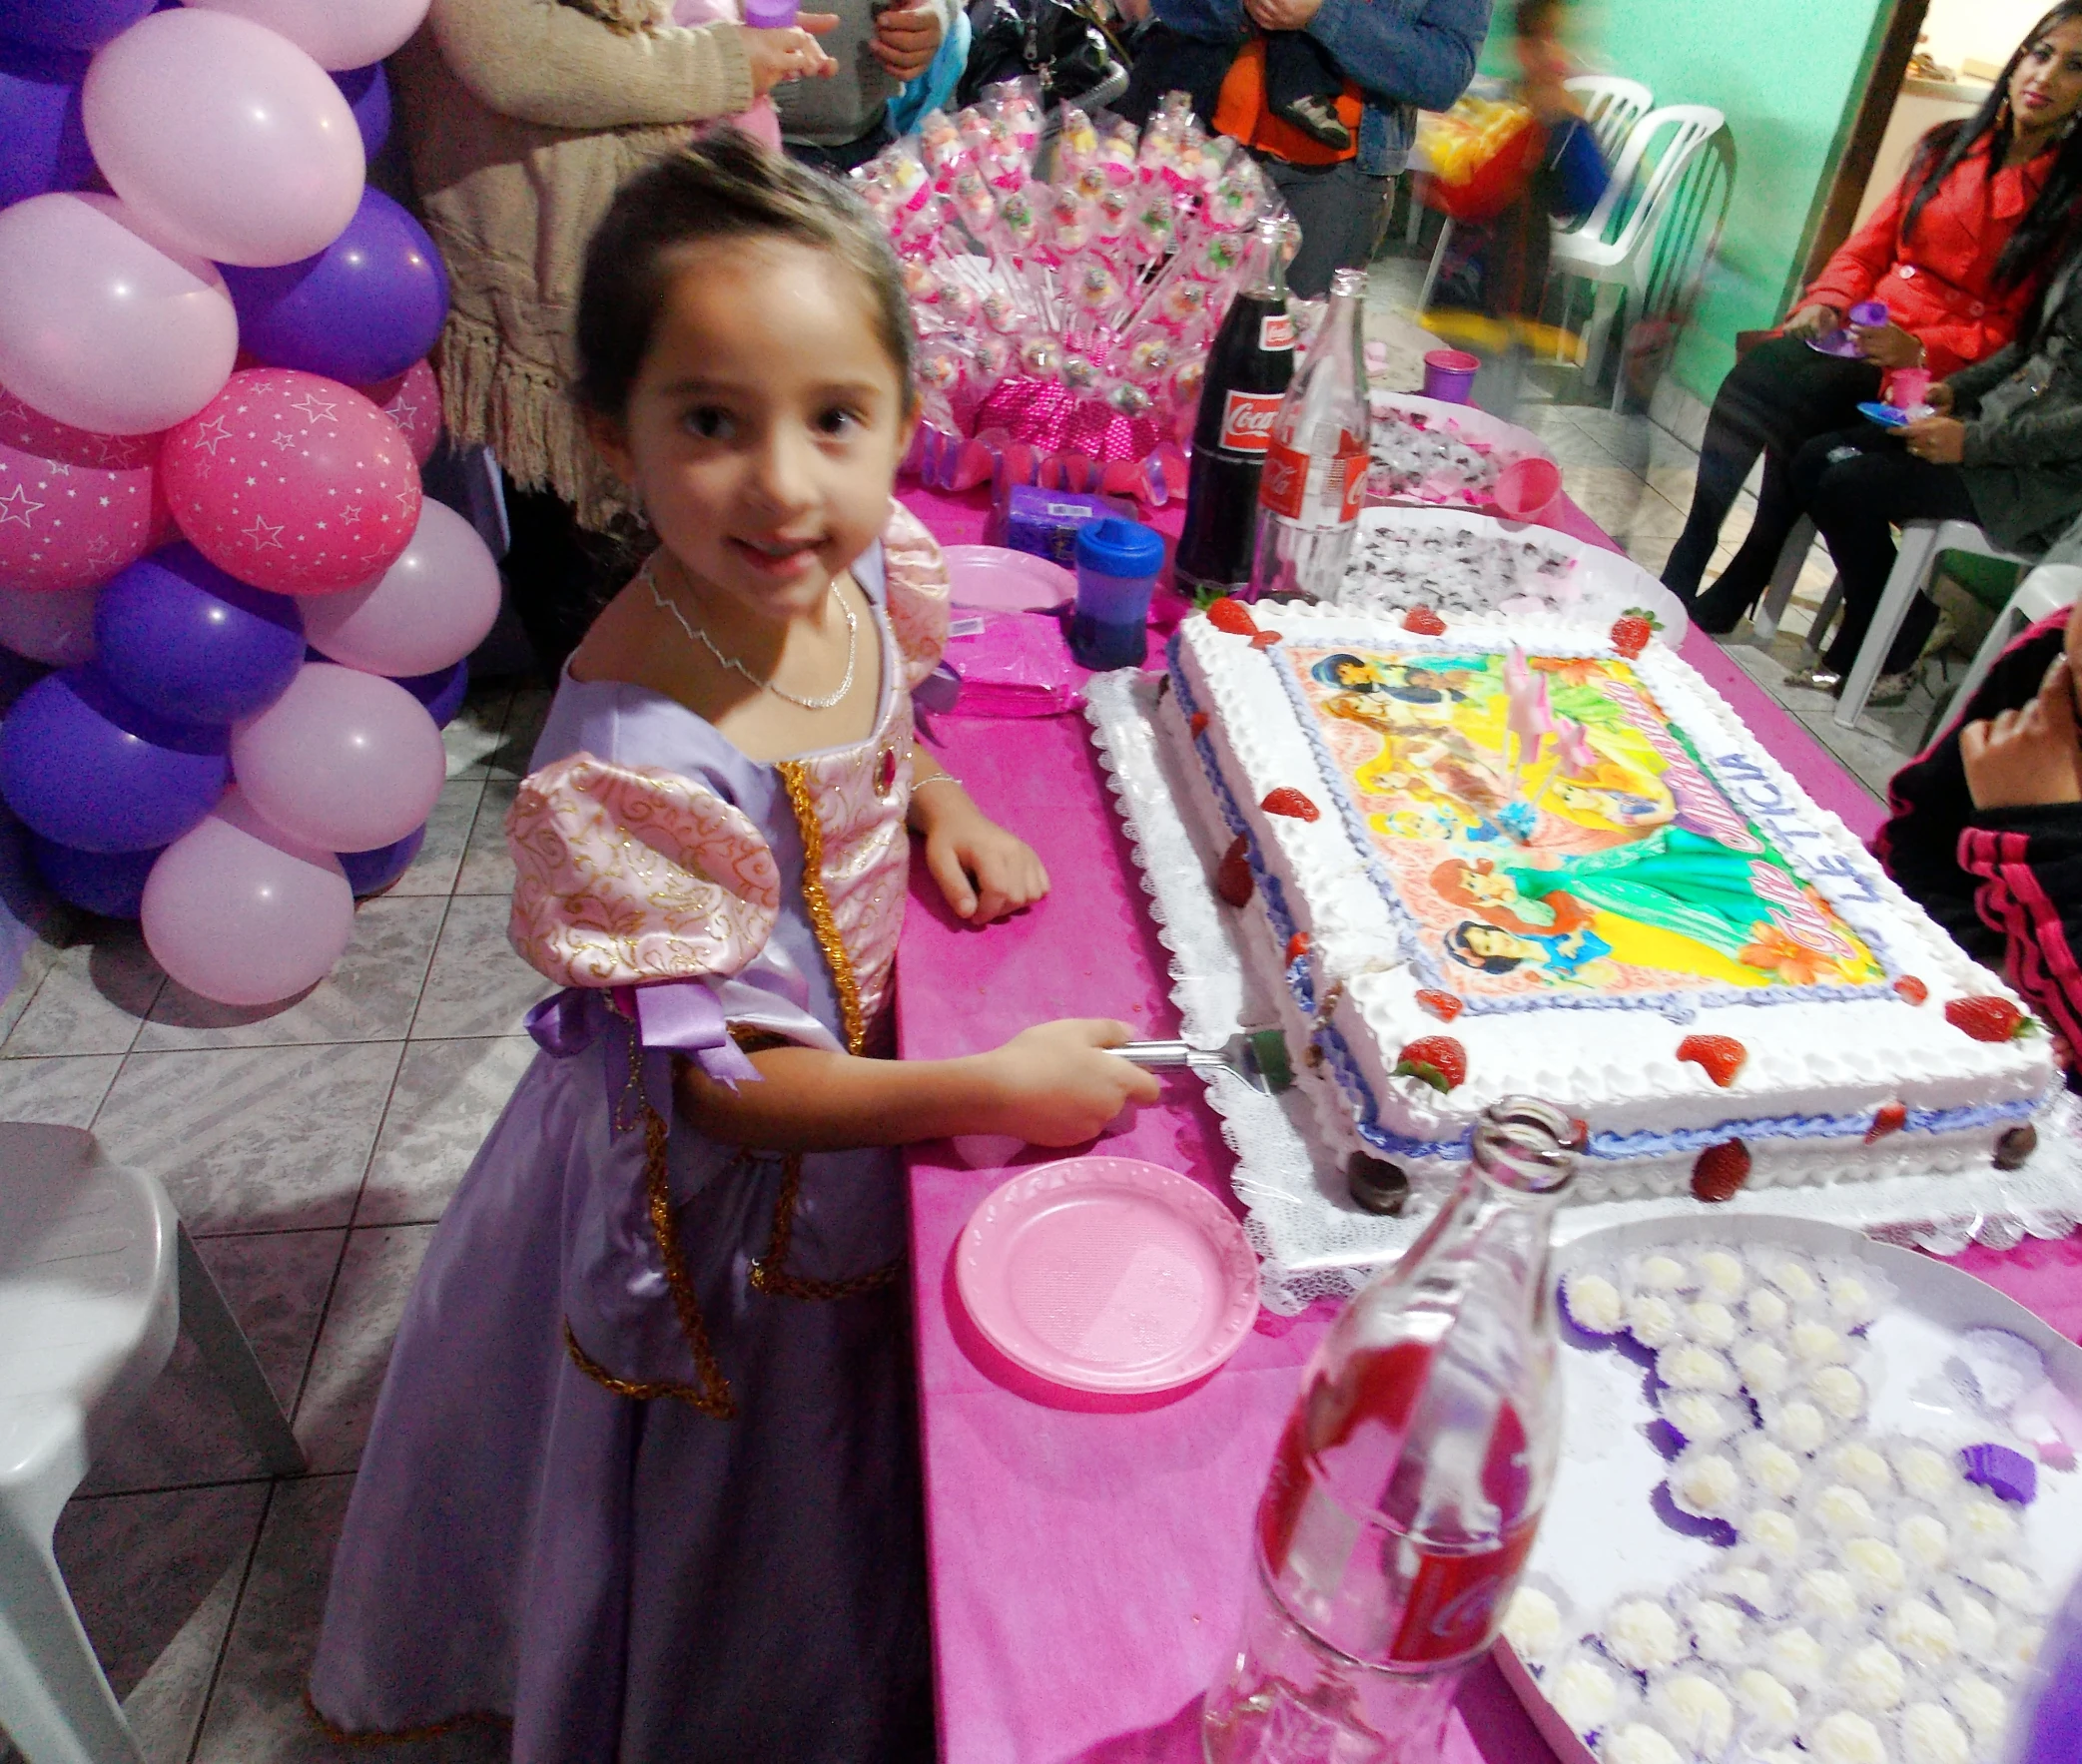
x: 1411, y: 1477
x: 1314, y: 478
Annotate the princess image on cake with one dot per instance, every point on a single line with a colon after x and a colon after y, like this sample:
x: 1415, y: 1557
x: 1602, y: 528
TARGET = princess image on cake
x: 1577, y: 959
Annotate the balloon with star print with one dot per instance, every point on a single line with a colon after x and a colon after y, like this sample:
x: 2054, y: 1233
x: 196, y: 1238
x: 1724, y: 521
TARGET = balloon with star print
x: 413, y: 401
x: 293, y: 483
x: 75, y: 507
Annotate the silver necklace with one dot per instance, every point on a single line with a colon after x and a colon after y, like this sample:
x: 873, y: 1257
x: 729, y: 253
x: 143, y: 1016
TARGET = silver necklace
x: 696, y: 634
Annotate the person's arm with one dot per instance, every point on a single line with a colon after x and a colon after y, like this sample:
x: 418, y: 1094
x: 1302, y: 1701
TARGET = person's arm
x: 543, y: 62
x: 1419, y: 52
x: 2033, y: 436
x: 1974, y: 381
x: 1857, y: 265
x: 1052, y: 1085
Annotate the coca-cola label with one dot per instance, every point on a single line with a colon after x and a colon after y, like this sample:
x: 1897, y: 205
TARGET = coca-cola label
x: 1275, y: 332
x: 1247, y: 419
x: 1340, y: 486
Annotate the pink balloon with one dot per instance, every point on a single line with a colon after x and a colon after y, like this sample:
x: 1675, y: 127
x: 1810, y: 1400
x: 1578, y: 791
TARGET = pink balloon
x: 333, y: 33
x: 102, y: 326
x: 434, y: 605
x: 293, y: 483
x: 224, y: 136
x: 241, y: 913
x: 344, y: 759
x: 413, y: 401
x: 56, y: 626
x: 73, y: 507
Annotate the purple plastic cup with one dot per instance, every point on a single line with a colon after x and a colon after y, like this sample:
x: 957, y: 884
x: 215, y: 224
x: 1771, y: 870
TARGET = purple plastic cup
x: 1449, y: 376
x: 770, y: 15
x: 1868, y: 313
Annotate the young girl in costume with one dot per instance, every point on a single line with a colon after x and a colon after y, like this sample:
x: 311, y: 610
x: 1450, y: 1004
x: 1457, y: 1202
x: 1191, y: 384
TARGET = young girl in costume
x: 643, y: 1473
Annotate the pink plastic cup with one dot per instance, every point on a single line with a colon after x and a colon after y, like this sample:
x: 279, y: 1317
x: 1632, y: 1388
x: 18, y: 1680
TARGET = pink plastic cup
x: 1526, y: 488
x: 1909, y: 387
x: 1449, y: 376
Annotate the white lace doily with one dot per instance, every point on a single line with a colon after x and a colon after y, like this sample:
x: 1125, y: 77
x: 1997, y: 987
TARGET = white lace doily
x: 1311, y: 1240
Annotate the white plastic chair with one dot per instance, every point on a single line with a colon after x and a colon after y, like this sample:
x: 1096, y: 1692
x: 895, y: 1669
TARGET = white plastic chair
x: 1640, y: 192
x: 97, y: 1273
x: 2049, y: 589
x: 1922, y: 541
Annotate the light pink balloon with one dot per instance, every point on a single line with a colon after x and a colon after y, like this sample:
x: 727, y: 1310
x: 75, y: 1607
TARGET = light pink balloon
x: 413, y: 401
x: 55, y: 626
x: 343, y: 761
x: 100, y: 327
x: 75, y: 507
x: 241, y: 913
x: 224, y: 137
x: 333, y: 33
x: 434, y: 605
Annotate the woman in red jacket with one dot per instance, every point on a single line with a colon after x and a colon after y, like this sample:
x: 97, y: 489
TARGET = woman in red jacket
x: 1954, y: 253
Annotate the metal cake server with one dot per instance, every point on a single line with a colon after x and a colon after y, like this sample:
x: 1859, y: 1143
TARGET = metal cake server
x: 1257, y: 1056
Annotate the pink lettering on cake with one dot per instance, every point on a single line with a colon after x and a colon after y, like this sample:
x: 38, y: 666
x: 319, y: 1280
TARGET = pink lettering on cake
x: 1700, y: 808
x: 1797, y: 916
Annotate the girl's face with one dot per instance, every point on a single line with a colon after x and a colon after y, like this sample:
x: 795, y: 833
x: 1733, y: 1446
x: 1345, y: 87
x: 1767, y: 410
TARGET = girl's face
x: 765, y: 428
x: 2046, y: 89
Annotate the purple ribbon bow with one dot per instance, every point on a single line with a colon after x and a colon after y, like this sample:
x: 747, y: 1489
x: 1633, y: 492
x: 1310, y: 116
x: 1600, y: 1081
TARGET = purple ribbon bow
x: 677, y: 1016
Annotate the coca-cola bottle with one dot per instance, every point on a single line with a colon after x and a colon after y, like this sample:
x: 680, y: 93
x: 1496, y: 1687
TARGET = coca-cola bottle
x: 1248, y: 372
x: 1315, y: 470
x: 1410, y: 1479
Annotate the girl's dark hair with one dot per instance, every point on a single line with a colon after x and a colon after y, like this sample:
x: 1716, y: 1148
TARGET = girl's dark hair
x: 728, y: 187
x: 1465, y: 952
x: 2043, y: 236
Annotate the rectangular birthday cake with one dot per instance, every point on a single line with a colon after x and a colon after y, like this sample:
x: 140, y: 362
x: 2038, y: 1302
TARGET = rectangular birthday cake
x: 1472, y: 869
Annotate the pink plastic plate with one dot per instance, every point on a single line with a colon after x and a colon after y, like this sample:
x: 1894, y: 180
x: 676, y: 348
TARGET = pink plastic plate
x: 1109, y: 1273
x: 1008, y: 581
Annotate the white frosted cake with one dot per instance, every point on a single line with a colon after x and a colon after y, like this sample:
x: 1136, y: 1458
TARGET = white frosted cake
x: 1474, y: 872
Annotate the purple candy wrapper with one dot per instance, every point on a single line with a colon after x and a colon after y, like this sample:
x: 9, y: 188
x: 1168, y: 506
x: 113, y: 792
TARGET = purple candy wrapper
x: 2007, y: 1475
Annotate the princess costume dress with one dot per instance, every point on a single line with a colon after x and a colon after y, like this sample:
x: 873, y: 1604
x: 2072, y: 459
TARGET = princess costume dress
x: 643, y: 1475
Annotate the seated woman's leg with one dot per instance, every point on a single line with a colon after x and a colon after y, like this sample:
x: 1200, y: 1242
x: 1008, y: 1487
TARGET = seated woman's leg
x: 1720, y: 608
x: 1859, y: 487
x: 1776, y: 396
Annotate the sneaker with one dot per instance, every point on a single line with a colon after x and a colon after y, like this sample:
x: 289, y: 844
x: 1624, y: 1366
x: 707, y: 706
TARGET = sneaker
x: 1889, y: 690
x: 1815, y: 679
x: 1317, y: 118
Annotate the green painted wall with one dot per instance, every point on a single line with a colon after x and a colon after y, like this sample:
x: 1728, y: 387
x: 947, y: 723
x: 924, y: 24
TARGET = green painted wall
x: 1788, y: 74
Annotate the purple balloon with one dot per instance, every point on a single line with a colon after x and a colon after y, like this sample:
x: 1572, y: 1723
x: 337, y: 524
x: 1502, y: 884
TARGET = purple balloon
x: 69, y: 24
x: 176, y: 636
x: 371, y: 873
x: 368, y: 94
x: 81, y: 766
x: 109, y: 883
x: 42, y: 143
x: 441, y: 692
x: 365, y: 308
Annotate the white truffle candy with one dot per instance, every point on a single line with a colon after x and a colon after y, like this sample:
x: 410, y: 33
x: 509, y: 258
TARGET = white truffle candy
x: 1790, y: 1277
x: 1798, y: 1426
x: 1927, y: 1473
x: 1863, y: 1469
x: 1847, y: 1738
x: 1721, y: 1275
x: 1773, y: 1533
x: 1795, y: 1656
x: 1825, y: 1593
x: 1843, y: 1511
x: 1637, y: 1743
x: 1643, y: 1636
x: 1922, y: 1632
x: 1582, y: 1693
x: 1706, y: 1483
x: 1875, y: 1568
x: 1689, y: 1367
x: 1656, y: 1273
x: 1710, y: 1323
x: 1984, y: 1709
x: 1770, y: 1467
x: 1839, y: 1391
x: 1719, y: 1632
x: 2008, y: 1582
x: 1693, y: 1711
x: 1533, y: 1625
x: 1871, y: 1678
x: 1930, y: 1735
x: 1974, y: 1622
x: 1770, y: 1710
x: 1767, y: 1310
x: 1924, y: 1540
x: 1765, y: 1371
x: 1701, y: 1418
x: 1654, y: 1319
x: 1594, y: 1303
x: 1855, y: 1298
x: 1987, y: 1523
x: 1753, y: 1586
x: 1816, y: 1343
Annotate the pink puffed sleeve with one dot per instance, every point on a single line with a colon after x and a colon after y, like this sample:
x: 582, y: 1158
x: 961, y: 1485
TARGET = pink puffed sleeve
x: 918, y: 592
x: 628, y: 873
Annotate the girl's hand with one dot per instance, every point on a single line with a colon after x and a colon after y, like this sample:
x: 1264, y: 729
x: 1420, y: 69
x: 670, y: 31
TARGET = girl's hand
x: 2026, y: 757
x: 1888, y: 346
x: 1939, y: 439
x: 984, y: 872
x: 905, y: 40
x: 1939, y: 397
x: 1055, y: 1084
x: 791, y: 54
x: 1815, y: 320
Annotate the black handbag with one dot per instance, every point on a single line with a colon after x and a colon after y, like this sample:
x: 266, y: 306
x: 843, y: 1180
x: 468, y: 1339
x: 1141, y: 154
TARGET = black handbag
x: 1064, y: 48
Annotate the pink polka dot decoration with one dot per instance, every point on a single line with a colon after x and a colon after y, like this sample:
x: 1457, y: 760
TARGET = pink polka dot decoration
x: 75, y: 507
x: 413, y: 401
x: 293, y: 483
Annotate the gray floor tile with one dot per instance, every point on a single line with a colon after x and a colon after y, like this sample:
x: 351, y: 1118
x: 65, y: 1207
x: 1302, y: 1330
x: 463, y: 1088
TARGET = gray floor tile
x: 447, y: 1095
x: 1621, y: 503
x: 62, y: 1092
x: 434, y: 870
x: 476, y: 986
x: 474, y: 735
x: 253, y: 1139
x: 92, y: 1000
x: 487, y: 868
x: 369, y: 997
x: 1871, y: 758
x: 186, y: 1430
x: 517, y: 739
x: 256, y: 1712
x: 347, y: 1369
x: 155, y: 1578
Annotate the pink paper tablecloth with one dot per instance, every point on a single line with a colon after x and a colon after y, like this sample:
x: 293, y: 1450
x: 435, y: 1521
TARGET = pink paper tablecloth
x: 1090, y: 1556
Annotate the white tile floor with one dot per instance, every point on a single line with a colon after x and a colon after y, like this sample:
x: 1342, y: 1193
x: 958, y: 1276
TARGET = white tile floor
x: 312, y: 1149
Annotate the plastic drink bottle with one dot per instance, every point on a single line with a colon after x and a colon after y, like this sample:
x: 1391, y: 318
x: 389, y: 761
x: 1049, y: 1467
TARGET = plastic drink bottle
x: 1314, y: 481
x: 1248, y: 368
x: 1410, y: 1479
